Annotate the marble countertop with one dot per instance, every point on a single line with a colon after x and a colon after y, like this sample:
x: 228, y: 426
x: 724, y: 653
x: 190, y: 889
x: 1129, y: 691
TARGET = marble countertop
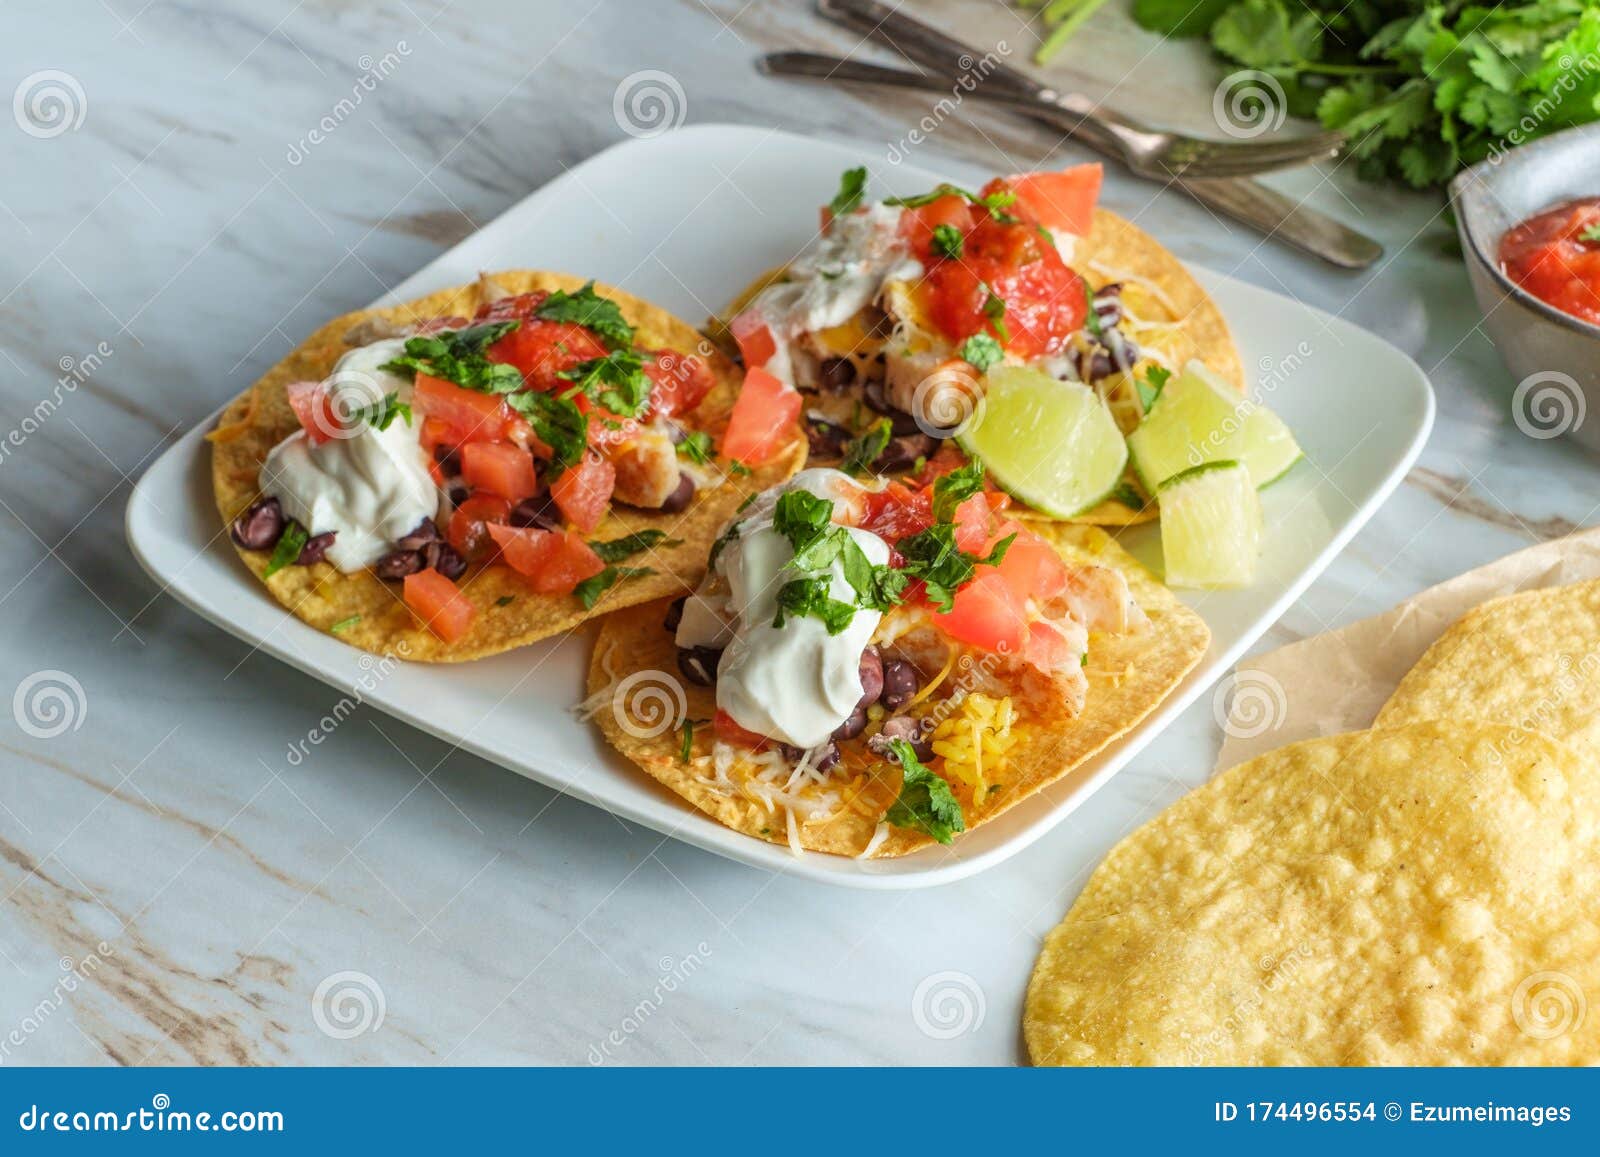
x: 164, y: 896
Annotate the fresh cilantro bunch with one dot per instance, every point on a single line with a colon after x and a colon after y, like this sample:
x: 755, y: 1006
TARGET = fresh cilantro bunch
x: 1422, y: 89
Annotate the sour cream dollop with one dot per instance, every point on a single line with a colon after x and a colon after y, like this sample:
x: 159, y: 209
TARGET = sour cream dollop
x: 795, y: 683
x: 369, y: 488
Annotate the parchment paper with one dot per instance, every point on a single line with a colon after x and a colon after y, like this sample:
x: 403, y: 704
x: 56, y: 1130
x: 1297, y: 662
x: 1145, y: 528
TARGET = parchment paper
x: 1337, y: 681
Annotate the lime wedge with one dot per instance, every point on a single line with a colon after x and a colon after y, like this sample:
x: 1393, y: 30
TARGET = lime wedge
x: 1210, y: 526
x: 1051, y: 444
x: 1200, y: 418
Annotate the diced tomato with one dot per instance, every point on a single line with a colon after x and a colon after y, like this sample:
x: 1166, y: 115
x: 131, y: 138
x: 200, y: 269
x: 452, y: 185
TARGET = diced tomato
x: 1031, y: 567
x: 678, y: 382
x: 553, y: 561
x: 972, y: 525
x: 1062, y: 200
x: 499, y: 468
x: 756, y: 343
x: 467, y: 415
x: 730, y: 732
x: 584, y: 491
x: 468, y: 532
x: 1044, y: 301
x: 917, y: 224
x: 1047, y: 648
x: 313, y: 406
x: 541, y: 350
x: 986, y: 614
x: 763, y: 419
x: 439, y: 603
x: 896, y: 512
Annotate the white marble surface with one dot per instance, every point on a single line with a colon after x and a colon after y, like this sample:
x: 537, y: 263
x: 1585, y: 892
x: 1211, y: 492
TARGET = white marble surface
x: 501, y: 923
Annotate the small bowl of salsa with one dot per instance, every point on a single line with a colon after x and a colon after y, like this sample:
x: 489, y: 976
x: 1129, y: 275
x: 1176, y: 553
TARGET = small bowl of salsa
x: 1529, y: 220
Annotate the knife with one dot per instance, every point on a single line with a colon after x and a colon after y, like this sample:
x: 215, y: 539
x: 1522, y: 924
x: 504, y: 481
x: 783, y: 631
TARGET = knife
x: 1244, y: 200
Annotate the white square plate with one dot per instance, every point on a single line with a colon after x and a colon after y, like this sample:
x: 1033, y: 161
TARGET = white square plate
x: 686, y: 220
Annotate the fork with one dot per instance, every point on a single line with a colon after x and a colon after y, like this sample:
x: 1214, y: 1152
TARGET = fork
x: 1151, y: 153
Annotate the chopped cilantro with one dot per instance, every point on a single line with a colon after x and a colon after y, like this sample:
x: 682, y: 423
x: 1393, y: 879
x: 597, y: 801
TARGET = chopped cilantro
x: 558, y: 422
x: 934, y: 557
x: 687, y: 749
x: 995, y: 203
x: 290, y: 544
x: 852, y: 184
x: 745, y: 505
x: 730, y: 534
x: 344, y: 624
x: 590, y: 589
x: 458, y: 356
x: 867, y: 447
x: 1091, y: 319
x: 382, y: 413
x: 952, y: 489
x: 810, y: 596
x: 802, y: 518
x: 1592, y: 233
x: 994, y: 308
x: 696, y: 446
x: 617, y: 381
x: 599, y: 315
x: 925, y: 803
x: 505, y: 600
x: 947, y: 241
x: 620, y: 548
x: 981, y: 351
x: 1150, y: 386
x: 738, y: 469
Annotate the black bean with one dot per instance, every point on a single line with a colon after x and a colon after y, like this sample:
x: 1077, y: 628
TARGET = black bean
x: 837, y: 373
x: 674, y: 614
x: 539, y: 511
x: 899, y: 683
x: 699, y: 664
x: 449, y: 461
x: 316, y: 546
x: 875, y: 398
x: 259, y: 527
x: 827, y: 438
x: 397, y: 564
x: 827, y: 758
x: 442, y: 557
x: 458, y: 495
x: 871, y: 671
x: 425, y: 533
x: 902, y: 453
x: 854, y: 725
x: 902, y: 424
x: 680, y: 498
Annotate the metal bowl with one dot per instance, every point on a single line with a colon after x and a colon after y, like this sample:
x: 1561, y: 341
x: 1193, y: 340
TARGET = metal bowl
x: 1555, y: 356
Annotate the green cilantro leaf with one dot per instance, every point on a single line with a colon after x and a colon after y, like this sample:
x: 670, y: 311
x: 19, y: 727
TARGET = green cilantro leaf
x: 981, y: 351
x: 290, y: 544
x: 617, y: 381
x: 947, y: 241
x: 867, y: 447
x: 344, y: 624
x: 802, y: 518
x: 557, y: 421
x: 1592, y: 233
x: 697, y: 447
x: 994, y: 308
x: 852, y: 184
x: 626, y: 547
x: 590, y: 589
x: 952, y: 489
x: 944, y: 567
x: 382, y: 413
x: 599, y: 315
x: 925, y: 803
x: 1150, y: 386
x: 812, y: 597
x: 458, y: 356
x: 1091, y: 318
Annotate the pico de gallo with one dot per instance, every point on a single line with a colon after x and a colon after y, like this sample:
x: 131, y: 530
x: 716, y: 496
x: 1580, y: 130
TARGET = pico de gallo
x: 504, y: 437
x: 833, y: 613
x: 1555, y: 255
x: 883, y: 329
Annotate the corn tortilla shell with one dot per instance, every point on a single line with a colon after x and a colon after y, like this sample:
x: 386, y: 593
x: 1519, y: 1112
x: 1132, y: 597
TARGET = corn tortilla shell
x: 1528, y: 660
x: 635, y: 659
x: 1418, y: 896
x: 322, y: 596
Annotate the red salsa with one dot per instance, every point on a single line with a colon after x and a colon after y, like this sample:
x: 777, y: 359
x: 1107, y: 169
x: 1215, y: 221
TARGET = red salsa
x: 1555, y: 255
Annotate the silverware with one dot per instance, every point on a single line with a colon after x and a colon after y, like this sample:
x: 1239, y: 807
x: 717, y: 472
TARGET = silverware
x: 1243, y: 200
x: 1149, y: 152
